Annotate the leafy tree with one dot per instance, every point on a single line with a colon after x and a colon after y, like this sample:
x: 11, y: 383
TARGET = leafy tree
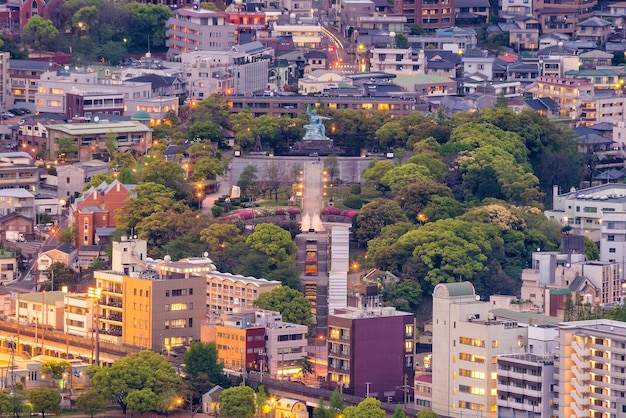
x: 142, y: 400
x: 426, y: 414
x: 69, y: 147
x: 391, y: 134
x: 55, y: 369
x: 398, y: 412
x: 374, y: 173
x: 269, y: 129
x: 591, y: 250
x: 376, y: 215
x: 18, y: 401
x: 202, y: 369
x: 247, y: 181
x: 336, y: 403
x: 97, y: 264
x: 60, y: 274
x: 9, y: 45
x: 261, y: 400
x: 213, y: 108
x: 417, y: 30
x: 368, y: 408
x: 149, y: 198
x: 275, y: 243
x: 68, y: 235
x: 147, y: 24
x: 331, y: 166
x: 237, y: 402
x: 6, y: 407
x: 206, y: 130
x: 97, y: 181
x: 245, y: 126
x: 291, y: 303
x: 321, y: 411
x: 39, y: 33
x: 45, y: 400
x: 137, y: 372
x: 207, y: 168
x: 306, y: 366
x: 501, y: 102
x: 123, y: 159
x: 158, y: 170
x: 401, y: 41
x: 91, y: 403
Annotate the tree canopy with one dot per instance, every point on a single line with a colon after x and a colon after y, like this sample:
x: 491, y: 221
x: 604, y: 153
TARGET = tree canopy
x: 291, y: 303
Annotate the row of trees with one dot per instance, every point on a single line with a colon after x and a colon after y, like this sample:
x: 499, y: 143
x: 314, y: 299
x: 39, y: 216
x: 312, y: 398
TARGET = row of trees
x: 99, y: 30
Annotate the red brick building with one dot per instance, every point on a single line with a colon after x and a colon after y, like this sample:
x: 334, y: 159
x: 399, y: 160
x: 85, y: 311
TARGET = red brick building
x: 96, y: 210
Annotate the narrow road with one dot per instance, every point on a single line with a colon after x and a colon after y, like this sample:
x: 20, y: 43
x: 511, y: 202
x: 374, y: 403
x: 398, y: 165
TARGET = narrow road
x: 313, y: 199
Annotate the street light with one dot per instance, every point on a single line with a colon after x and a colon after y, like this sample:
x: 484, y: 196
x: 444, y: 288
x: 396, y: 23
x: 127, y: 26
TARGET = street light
x: 321, y: 339
x: 95, y: 293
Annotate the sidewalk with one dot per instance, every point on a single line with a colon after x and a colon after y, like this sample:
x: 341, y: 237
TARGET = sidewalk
x: 118, y: 413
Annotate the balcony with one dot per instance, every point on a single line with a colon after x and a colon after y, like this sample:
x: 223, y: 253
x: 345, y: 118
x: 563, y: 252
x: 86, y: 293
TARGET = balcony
x: 581, y: 364
x: 580, y: 413
x: 580, y: 350
x: 580, y: 376
x: 580, y: 387
x: 581, y: 401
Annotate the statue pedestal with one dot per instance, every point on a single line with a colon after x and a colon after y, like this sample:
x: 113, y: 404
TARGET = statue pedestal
x: 315, y: 148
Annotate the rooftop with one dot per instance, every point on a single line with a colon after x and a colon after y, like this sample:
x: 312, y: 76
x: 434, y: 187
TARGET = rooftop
x: 356, y: 313
x: 43, y: 297
x: 76, y: 129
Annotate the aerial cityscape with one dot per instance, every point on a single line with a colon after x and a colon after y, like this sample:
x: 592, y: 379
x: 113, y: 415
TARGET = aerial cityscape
x: 313, y: 208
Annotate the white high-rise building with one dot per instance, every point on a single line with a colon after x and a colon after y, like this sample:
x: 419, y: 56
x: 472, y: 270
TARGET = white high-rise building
x: 592, y: 373
x: 466, y: 342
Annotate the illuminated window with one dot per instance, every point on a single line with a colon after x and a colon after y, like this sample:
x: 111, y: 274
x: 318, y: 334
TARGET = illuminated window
x: 408, y: 331
x: 494, y: 344
x: 335, y: 333
x: 472, y: 341
x: 408, y: 346
x: 367, y: 106
x: 383, y: 106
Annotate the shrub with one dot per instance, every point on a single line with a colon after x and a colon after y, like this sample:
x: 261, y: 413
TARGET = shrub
x: 331, y: 211
x: 217, y: 211
x: 353, y: 202
x: 355, y: 189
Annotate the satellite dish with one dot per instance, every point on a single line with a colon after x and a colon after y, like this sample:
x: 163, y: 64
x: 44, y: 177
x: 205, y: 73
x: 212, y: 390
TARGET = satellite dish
x: 66, y: 68
x: 477, y: 297
x: 568, y: 265
x: 96, y: 119
x: 206, y: 254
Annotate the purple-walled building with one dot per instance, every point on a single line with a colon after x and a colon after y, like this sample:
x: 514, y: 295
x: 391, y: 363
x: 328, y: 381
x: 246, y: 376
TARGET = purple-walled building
x: 371, y: 351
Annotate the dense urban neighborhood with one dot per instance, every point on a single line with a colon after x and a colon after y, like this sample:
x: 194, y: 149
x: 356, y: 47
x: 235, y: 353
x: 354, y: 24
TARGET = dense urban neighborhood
x: 313, y: 208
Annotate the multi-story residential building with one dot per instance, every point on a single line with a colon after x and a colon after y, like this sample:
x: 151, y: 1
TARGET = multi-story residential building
x: 466, y: 342
x: 16, y: 223
x: 524, y: 34
x: 582, y: 209
x: 42, y: 308
x: 554, y: 277
x: 8, y: 266
x: 428, y: 14
x: 423, y: 390
x: 198, y: 29
x: 516, y: 7
x: 96, y: 209
x: 349, y: 12
x: 593, y: 59
x: 71, y: 178
x: 562, y: 17
x: 595, y: 30
x: 156, y: 308
x: 396, y: 60
x: 20, y: 201
x: 79, y: 317
x: 471, y: 11
x: 613, y: 238
x: 24, y: 76
x: 527, y: 386
x: 89, y: 139
x: 298, y: 7
x: 302, y: 35
x: 6, y: 99
x: 591, y: 368
x: 381, y: 22
x: 285, y: 346
x: 227, y: 292
x: 448, y: 39
x: 293, y: 106
x: 557, y: 61
x: 602, y: 78
x: 371, y: 350
x: 568, y: 93
x: 17, y: 170
x: 616, y: 13
x: 225, y: 73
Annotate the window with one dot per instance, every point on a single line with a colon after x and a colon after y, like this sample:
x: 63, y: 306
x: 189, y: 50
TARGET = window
x: 611, y: 250
x: 610, y: 238
x: 167, y: 293
x: 179, y: 292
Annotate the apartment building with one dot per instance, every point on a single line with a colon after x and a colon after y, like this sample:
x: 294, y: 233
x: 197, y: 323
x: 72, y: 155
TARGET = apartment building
x: 569, y: 94
x: 153, y: 307
x: 428, y: 14
x: 562, y: 17
x: 227, y: 292
x: 527, y: 386
x: 71, y: 178
x: 371, y: 350
x: 304, y: 35
x: 582, y: 209
x: 6, y: 99
x: 198, y: 29
x: 467, y: 339
x: 595, y: 30
x: 396, y: 60
x: 225, y: 73
x: 613, y: 237
x: 24, y: 75
x: 43, y: 308
x: 591, y: 373
x: 17, y: 170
